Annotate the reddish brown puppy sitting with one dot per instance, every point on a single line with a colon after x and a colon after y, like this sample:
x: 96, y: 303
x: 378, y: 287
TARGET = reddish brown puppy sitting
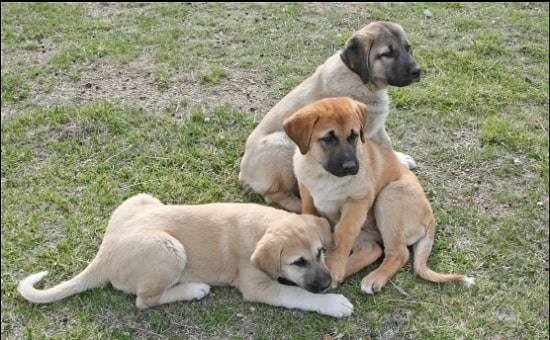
x: 359, y: 185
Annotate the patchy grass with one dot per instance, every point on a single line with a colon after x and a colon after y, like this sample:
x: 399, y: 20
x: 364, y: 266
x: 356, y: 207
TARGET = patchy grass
x: 160, y: 98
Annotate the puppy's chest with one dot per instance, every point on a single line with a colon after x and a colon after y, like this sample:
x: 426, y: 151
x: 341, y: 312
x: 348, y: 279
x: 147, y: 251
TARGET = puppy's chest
x: 330, y: 193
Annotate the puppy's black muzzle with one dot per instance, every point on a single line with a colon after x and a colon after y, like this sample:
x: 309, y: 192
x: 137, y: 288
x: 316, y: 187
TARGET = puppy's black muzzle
x: 415, y: 73
x: 405, y: 72
x: 342, y: 162
x: 317, y: 281
x: 320, y: 281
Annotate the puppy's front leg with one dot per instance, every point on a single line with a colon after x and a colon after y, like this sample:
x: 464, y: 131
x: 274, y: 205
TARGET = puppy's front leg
x: 260, y: 288
x: 308, y: 206
x: 346, y: 231
x: 382, y: 138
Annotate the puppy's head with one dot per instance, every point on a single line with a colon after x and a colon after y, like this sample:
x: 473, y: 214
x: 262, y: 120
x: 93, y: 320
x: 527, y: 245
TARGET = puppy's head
x: 328, y: 130
x: 380, y: 53
x: 292, y: 249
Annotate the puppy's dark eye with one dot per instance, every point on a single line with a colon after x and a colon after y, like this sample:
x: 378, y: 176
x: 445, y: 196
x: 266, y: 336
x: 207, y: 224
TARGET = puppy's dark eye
x: 408, y: 49
x: 319, y: 254
x: 388, y: 54
x: 352, y: 139
x: 330, y: 139
x: 301, y: 262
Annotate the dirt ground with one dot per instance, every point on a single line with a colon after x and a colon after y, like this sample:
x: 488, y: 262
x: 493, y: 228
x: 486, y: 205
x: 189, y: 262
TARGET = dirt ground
x: 131, y: 85
x: 134, y: 84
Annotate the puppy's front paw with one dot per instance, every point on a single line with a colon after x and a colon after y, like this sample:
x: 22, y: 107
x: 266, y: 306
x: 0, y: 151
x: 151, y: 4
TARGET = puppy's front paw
x: 406, y: 160
x: 372, y: 284
x: 336, y: 305
x: 336, y: 267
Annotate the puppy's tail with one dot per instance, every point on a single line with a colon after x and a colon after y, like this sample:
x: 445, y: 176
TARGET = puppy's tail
x: 90, y: 278
x: 422, y: 250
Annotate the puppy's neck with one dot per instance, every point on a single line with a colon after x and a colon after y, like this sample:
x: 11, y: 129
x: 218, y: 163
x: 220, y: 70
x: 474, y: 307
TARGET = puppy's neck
x: 377, y: 100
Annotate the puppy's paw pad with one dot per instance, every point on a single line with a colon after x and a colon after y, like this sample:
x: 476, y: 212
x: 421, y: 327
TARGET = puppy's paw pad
x: 337, y: 305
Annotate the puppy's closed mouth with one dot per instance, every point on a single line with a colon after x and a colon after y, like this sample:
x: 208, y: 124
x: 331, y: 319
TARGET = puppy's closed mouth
x: 317, y: 287
x: 284, y: 281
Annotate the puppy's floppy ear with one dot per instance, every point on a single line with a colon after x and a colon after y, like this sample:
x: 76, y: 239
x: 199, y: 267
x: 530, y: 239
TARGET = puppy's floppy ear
x: 267, y: 257
x: 355, y: 55
x: 361, y: 112
x: 299, y: 127
x: 322, y: 227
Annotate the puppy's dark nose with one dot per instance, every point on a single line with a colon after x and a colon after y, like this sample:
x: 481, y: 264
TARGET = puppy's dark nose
x: 415, y: 71
x: 350, y: 167
x: 321, y: 281
x: 324, y: 280
x: 325, y: 283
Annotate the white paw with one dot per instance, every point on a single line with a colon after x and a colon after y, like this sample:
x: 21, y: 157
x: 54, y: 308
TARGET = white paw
x: 197, y: 290
x: 336, y: 305
x: 367, y: 288
x: 407, y: 160
x: 371, y: 285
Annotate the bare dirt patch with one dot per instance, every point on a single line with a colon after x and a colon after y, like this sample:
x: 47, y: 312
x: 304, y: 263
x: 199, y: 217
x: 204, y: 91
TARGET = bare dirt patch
x: 133, y: 83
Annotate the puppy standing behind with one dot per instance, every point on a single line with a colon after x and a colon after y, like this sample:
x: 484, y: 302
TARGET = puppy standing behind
x: 365, y: 191
x: 373, y: 58
x: 166, y: 253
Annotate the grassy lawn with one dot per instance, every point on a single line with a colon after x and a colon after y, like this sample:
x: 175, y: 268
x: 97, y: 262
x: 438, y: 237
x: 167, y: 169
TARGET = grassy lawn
x: 101, y: 101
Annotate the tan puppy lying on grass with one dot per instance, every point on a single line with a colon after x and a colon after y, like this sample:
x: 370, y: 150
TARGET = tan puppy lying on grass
x: 166, y: 253
x: 365, y: 190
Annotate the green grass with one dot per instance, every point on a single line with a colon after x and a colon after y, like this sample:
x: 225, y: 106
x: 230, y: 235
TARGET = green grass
x: 477, y: 125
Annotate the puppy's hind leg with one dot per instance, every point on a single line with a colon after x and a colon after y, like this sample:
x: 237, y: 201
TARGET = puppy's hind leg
x: 267, y: 169
x: 185, y: 292
x: 284, y: 199
x: 154, y: 296
x: 365, y: 252
x: 157, y: 275
x: 391, y: 211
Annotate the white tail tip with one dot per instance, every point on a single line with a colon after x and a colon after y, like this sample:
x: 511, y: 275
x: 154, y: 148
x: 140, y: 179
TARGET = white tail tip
x: 32, y: 279
x: 468, y: 281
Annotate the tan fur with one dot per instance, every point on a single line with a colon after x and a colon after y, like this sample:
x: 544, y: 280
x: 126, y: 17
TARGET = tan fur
x: 364, y: 190
x: 166, y: 253
x: 373, y: 58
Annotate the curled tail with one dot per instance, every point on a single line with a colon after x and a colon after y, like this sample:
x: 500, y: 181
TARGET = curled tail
x: 422, y: 250
x: 90, y: 278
